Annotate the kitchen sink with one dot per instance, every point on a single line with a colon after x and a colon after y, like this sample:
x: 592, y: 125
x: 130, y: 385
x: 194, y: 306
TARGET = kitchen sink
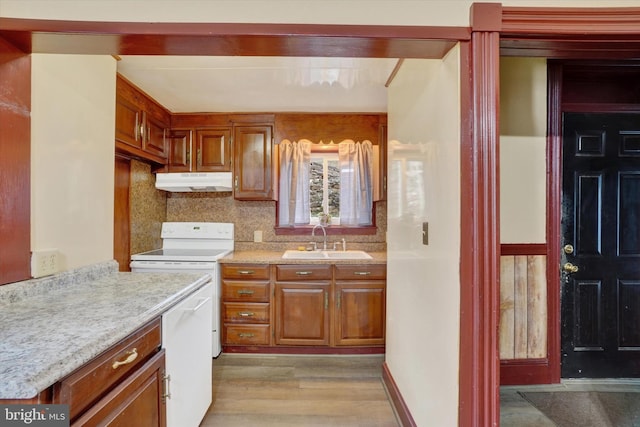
x: 293, y: 254
x: 348, y: 255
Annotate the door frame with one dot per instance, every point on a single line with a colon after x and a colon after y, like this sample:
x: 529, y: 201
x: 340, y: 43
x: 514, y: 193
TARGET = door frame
x: 563, y: 34
x: 554, y: 156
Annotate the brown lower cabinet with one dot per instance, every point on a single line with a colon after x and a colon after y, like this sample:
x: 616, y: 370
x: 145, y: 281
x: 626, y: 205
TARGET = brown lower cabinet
x: 137, y: 401
x: 307, y: 305
x: 360, y: 293
x: 302, y: 294
x: 246, y: 304
x: 123, y: 386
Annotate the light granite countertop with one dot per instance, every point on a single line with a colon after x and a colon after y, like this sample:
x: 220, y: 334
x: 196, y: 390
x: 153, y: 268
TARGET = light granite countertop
x: 47, y: 335
x: 275, y: 257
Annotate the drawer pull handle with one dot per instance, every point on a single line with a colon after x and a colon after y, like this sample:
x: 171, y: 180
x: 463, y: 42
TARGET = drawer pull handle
x: 304, y: 273
x: 362, y: 273
x: 131, y: 356
x: 243, y: 335
x: 245, y: 292
x: 246, y: 313
x: 246, y: 272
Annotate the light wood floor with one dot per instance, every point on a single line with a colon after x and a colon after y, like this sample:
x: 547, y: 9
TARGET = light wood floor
x: 300, y: 391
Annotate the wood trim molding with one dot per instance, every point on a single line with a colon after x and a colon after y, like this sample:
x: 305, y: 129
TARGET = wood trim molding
x: 525, y: 372
x: 580, y: 33
x: 523, y: 249
x: 480, y: 234
x: 237, y: 39
x: 554, y: 207
x: 399, y: 405
x: 486, y: 16
x: 582, y: 22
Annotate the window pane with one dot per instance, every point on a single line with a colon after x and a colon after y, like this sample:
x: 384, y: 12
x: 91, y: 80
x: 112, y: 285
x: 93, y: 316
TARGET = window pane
x: 334, y: 188
x: 315, y: 186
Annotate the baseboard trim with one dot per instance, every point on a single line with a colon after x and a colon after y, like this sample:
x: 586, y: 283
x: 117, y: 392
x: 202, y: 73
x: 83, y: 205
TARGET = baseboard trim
x: 525, y: 372
x: 302, y: 350
x: 398, y: 403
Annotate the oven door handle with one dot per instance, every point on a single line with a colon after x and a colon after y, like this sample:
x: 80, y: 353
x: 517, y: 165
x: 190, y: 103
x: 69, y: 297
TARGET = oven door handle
x: 197, y: 307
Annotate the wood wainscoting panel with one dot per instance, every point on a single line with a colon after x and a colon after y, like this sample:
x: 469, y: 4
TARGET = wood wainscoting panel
x: 523, y: 307
x: 536, y: 307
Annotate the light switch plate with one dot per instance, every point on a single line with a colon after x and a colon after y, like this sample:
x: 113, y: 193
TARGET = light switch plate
x: 425, y: 233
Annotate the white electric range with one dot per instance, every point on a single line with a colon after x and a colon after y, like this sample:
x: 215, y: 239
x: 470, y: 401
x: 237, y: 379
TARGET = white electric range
x: 191, y: 247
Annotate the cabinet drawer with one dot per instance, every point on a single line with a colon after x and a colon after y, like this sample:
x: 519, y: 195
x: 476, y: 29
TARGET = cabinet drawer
x: 89, y: 383
x: 303, y: 272
x: 137, y: 401
x: 256, y: 312
x: 245, y: 291
x: 235, y: 334
x: 361, y: 272
x: 245, y: 271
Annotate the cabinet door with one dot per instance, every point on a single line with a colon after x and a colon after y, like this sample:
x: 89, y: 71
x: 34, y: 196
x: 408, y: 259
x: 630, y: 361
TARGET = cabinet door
x: 213, y: 150
x: 137, y: 401
x: 179, y: 146
x: 128, y: 122
x: 302, y: 313
x: 155, y: 136
x: 360, y: 313
x: 253, y: 147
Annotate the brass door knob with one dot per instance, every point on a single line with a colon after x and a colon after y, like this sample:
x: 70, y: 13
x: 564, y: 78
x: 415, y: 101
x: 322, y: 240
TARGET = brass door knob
x: 568, y: 249
x: 570, y: 268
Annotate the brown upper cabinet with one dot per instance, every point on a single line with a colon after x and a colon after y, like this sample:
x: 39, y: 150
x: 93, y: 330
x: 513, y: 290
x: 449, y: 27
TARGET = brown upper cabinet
x: 200, y: 150
x: 141, y: 124
x: 253, y: 148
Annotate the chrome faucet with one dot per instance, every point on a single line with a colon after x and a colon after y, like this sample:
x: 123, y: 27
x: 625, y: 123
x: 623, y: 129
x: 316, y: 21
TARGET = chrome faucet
x: 344, y: 245
x: 313, y: 234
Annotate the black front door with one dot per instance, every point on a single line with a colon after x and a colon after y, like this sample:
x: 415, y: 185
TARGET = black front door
x: 601, y: 240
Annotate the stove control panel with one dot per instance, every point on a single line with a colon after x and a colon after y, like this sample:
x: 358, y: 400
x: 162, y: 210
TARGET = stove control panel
x: 197, y: 230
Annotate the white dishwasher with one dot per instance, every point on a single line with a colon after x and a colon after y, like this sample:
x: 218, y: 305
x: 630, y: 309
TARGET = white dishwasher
x: 186, y: 338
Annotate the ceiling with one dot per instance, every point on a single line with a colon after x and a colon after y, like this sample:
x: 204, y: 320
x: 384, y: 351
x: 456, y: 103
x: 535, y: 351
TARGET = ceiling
x: 261, y: 84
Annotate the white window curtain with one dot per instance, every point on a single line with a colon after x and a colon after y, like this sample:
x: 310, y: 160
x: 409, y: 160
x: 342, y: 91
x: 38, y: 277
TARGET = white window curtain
x: 356, y: 186
x: 293, y: 204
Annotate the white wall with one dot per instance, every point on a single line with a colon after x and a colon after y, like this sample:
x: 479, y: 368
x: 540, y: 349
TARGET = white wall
x: 72, y: 156
x: 423, y: 289
x: 523, y: 128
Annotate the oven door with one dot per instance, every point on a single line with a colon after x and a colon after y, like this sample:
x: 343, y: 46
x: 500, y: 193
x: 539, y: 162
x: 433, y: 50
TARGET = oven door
x: 172, y: 267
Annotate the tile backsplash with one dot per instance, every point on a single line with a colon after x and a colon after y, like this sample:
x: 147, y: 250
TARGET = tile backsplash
x: 151, y: 207
x: 148, y: 208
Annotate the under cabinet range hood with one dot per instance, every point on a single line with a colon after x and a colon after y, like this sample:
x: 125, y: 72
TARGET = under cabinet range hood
x: 194, y: 181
